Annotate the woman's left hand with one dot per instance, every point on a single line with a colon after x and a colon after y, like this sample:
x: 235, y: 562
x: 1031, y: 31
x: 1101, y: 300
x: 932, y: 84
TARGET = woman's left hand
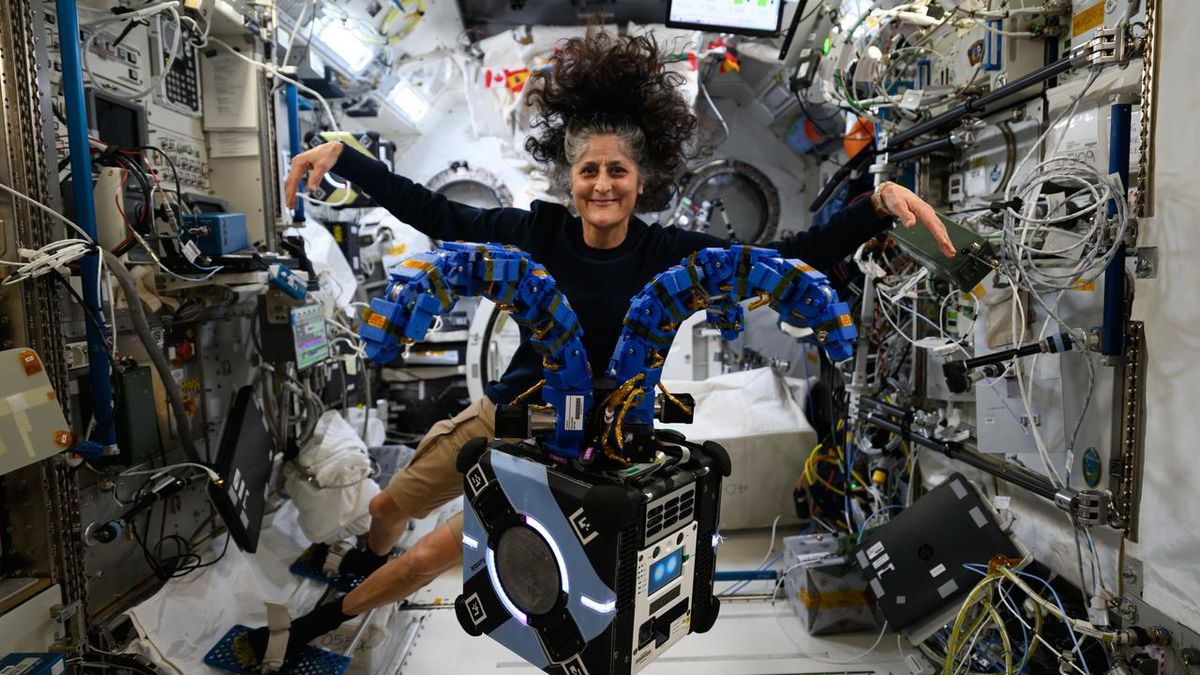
x: 899, y: 201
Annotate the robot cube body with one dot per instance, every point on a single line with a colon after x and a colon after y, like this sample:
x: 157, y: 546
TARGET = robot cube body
x: 593, y: 573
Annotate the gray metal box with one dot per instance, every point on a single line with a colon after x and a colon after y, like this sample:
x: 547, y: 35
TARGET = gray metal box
x: 828, y: 595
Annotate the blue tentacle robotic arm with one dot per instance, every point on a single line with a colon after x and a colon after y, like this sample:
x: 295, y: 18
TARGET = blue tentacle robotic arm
x: 428, y: 284
x: 714, y: 280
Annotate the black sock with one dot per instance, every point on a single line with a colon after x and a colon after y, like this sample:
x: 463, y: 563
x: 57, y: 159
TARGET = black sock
x: 324, y: 619
x: 361, y: 562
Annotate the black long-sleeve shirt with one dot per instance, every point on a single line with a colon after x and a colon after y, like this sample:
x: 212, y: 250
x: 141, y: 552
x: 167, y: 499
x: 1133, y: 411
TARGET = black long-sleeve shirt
x: 598, y: 282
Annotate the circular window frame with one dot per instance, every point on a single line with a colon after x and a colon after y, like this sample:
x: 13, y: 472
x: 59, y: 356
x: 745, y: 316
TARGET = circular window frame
x: 461, y: 172
x: 757, y: 178
x: 482, y: 330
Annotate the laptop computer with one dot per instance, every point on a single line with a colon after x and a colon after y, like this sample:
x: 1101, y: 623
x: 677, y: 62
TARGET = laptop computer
x: 244, y: 464
x: 914, y: 564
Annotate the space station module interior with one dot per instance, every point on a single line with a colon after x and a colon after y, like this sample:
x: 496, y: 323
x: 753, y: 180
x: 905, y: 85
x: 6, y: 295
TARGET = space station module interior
x: 899, y: 385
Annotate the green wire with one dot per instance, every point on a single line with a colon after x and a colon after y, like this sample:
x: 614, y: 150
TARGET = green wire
x: 841, y: 88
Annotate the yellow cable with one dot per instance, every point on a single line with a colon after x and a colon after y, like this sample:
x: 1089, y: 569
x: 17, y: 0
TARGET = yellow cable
x: 671, y: 397
x: 808, y: 476
x: 853, y: 474
x: 973, y: 598
x: 827, y: 484
x: 634, y: 399
x: 529, y: 392
x: 1004, y: 639
x: 763, y: 299
x: 618, y: 395
x: 614, y: 399
x: 1083, y: 627
x: 1033, y: 642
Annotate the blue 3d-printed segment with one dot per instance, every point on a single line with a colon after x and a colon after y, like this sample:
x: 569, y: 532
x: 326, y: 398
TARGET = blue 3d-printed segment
x: 342, y: 582
x: 715, y: 280
x: 428, y: 284
x: 311, y: 661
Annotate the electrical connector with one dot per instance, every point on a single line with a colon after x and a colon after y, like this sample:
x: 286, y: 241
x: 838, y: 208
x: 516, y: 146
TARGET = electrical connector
x: 286, y: 280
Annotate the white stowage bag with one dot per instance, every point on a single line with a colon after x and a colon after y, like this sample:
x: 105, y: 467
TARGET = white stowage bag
x: 758, y: 416
x: 331, y: 486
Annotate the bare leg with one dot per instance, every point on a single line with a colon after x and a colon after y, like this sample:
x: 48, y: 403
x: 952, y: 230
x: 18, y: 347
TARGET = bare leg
x: 388, y: 522
x: 433, y: 554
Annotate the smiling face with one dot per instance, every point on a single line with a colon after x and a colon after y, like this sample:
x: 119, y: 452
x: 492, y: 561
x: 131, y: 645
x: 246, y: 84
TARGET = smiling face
x: 605, y: 185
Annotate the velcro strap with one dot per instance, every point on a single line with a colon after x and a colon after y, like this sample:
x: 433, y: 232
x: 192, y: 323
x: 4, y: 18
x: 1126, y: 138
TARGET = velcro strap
x: 667, y: 302
x: 658, y: 342
x: 333, y: 559
x: 743, y: 272
x: 279, y: 624
x: 785, y: 281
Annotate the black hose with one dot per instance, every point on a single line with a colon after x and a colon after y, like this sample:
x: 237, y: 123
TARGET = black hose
x: 1001, y: 469
x: 976, y: 105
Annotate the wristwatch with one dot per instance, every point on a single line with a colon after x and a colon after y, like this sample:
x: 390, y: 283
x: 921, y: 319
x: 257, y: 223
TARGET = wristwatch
x: 880, y: 207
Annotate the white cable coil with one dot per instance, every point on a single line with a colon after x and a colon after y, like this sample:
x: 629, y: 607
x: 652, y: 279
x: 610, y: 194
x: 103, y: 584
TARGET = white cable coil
x: 53, y: 256
x: 1028, y: 240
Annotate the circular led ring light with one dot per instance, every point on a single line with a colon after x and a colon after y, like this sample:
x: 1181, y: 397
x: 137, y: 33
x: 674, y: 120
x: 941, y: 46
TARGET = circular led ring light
x: 474, y: 184
x: 717, y: 178
x: 523, y: 560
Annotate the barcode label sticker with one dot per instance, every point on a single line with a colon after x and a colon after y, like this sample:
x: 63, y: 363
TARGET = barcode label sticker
x: 191, y: 251
x: 574, y: 417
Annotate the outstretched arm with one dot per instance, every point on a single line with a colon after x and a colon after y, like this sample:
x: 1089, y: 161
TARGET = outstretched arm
x: 905, y: 205
x: 824, y: 245
x: 400, y: 577
x: 431, y: 213
x: 821, y: 246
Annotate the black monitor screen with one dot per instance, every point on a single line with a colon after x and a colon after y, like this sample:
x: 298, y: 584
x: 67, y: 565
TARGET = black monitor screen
x: 117, y: 121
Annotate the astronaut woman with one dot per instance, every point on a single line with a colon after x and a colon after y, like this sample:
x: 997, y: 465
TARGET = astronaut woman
x: 612, y: 127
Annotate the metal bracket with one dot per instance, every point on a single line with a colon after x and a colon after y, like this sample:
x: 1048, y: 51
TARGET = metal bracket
x: 1131, y: 609
x: 1131, y: 576
x: 1145, y: 262
x: 1087, y: 507
x: 1113, y: 45
x: 65, y: 616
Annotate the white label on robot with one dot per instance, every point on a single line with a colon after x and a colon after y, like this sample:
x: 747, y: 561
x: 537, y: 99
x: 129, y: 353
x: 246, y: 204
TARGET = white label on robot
x: 575, y: 667
x: 583, y: 528
x: 475, y: 609
x: 574, y: 418
x: 476, y: 479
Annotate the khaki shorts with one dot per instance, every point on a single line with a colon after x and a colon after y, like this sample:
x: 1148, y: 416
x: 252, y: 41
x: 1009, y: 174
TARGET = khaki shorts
x: 432, y: 478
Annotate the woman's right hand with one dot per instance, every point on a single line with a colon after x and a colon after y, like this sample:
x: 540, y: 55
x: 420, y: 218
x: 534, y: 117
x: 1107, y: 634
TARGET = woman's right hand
x: 316, y: 163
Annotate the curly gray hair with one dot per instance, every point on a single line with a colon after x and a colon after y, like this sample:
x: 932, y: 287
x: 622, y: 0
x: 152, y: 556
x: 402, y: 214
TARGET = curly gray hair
x: 579, y: 134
